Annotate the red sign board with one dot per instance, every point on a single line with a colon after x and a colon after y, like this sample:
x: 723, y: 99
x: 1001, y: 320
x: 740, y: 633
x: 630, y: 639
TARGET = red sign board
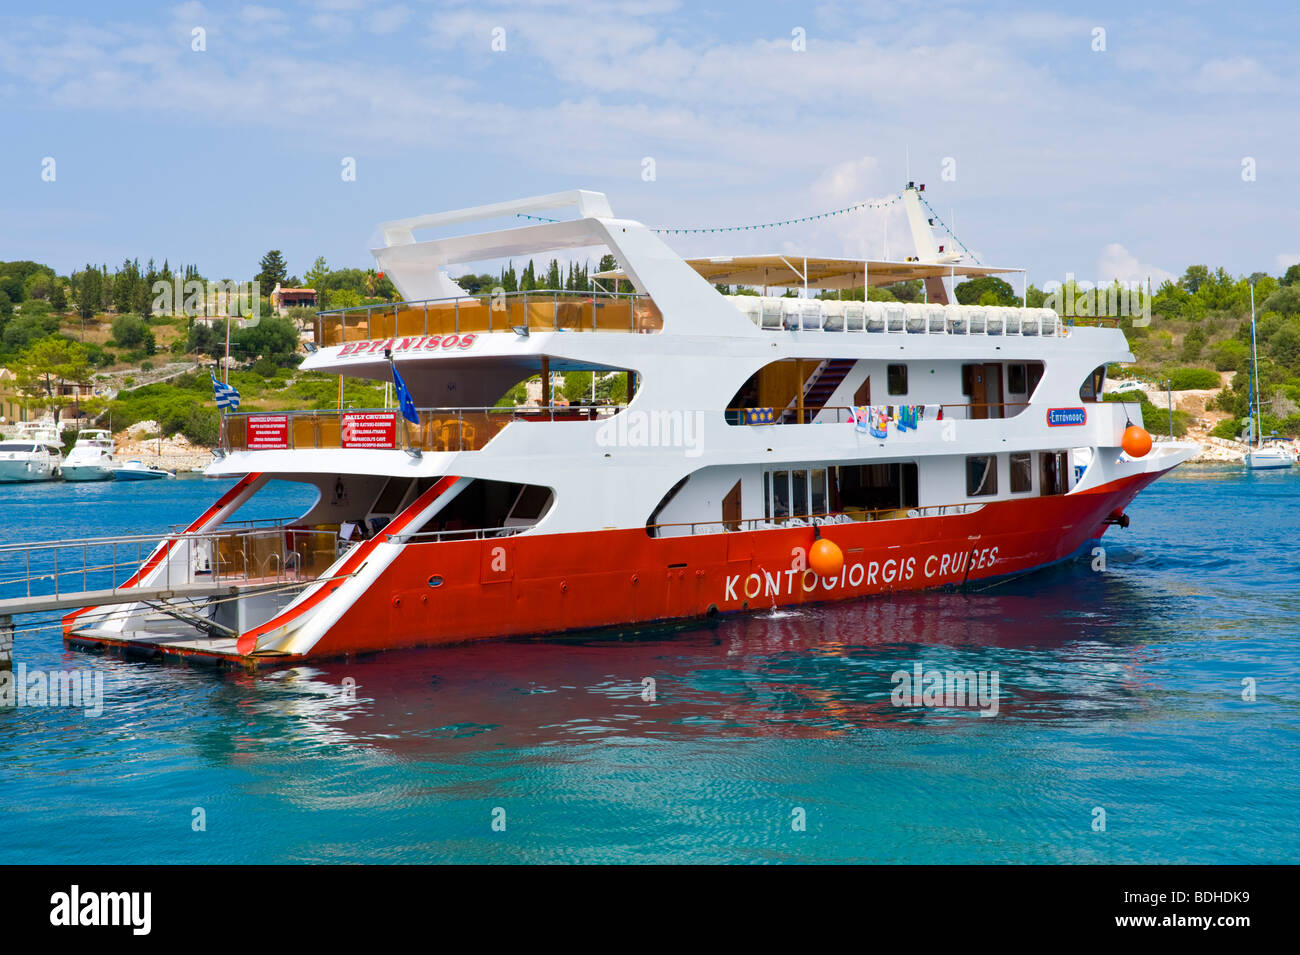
x: 369, y: 429
x: 268, y: 432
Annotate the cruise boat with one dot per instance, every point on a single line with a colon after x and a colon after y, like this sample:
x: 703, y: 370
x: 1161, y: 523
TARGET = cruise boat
x: 771, y: 451
x: 34, y: 453
x: 91, y: 458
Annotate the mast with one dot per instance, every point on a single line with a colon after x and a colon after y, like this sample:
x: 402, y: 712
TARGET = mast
x: 1253, y: 394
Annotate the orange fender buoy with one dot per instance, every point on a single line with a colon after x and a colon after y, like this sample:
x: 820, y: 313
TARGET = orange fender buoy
x: 1136, y: 441
x: 825, y: 557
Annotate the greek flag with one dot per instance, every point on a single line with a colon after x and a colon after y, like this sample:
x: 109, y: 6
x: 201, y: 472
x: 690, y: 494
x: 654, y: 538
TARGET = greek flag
x: 227, y: 396
x: 404, y: 399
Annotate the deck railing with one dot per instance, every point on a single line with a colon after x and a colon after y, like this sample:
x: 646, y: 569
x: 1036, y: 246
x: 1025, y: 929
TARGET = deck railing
x: 905, y: 318
x: 440, y: 429
x: 240, y: 555
x: 538, y: 311
x: 840, y: 414
x: 848, y: 515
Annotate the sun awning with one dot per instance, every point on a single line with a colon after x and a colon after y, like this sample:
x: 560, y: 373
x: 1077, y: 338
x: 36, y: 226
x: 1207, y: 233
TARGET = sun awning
x: 818, y: 272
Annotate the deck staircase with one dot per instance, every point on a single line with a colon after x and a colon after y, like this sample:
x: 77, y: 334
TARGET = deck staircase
x: 819, y: 387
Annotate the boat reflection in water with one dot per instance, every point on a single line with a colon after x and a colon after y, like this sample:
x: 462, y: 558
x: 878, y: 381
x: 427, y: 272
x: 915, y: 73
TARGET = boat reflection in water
x: 817, y: 672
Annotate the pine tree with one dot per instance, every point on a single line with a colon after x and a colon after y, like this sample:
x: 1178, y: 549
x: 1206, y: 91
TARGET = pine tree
x: 273, y: 272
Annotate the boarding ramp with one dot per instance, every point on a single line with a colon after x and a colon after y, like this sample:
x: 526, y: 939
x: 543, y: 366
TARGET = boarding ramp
x: 199, y: 579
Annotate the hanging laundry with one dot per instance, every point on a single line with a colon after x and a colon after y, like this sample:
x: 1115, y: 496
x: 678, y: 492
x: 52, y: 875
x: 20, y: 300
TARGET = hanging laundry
x: 759, y: 416
x: 879, y: 423
x: 862, y: 418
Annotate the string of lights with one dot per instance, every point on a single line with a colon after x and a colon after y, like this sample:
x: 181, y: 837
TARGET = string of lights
x: 954, y: 238
x: 856, y: 207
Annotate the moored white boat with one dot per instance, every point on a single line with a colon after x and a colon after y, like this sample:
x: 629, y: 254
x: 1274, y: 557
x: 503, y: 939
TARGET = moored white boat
x: 1261, y: 457
x: 91, y: 458
x: 136, y: 470
x: 1269, y: 457
x: 34, y: 453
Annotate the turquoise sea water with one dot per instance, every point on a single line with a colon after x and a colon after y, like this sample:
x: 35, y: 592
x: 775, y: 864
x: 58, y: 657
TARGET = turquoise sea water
x: 1121, y: 690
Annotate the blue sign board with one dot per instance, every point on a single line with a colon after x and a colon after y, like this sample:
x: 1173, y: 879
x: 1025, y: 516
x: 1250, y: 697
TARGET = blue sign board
x: 1059, y: 417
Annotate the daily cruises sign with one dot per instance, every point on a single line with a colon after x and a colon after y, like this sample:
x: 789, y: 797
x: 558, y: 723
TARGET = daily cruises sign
x: 357, y: 429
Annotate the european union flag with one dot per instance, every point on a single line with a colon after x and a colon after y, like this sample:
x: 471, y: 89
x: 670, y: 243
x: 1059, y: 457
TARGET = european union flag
x: 404, y: 399
x: 226, y: 395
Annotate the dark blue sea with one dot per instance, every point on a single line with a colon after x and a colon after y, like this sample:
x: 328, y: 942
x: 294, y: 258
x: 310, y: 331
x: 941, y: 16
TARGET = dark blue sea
x: 1125, y: 731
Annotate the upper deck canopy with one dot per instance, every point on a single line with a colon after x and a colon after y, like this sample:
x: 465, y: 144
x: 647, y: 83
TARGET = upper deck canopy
x: 819, y: 272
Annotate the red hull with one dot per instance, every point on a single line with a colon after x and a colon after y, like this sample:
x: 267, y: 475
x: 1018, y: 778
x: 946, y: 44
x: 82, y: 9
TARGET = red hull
x: 552, y: 583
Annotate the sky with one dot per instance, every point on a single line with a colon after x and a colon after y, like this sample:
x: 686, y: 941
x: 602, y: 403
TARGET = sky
x: 1103, y: 140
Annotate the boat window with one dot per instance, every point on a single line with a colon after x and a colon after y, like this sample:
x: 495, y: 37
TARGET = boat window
x: 818, y: 488
x: 1022, y: 472
x: 488, y: 505
x: 652, y: 524
x: 1034, y: 372
x: 897, y: 379
x: 802, y: 493
x: 1055, y: 472
x: 531, y: 504
x: 981, y: 475
x: 800, y: 499
x: 391, y: 496
x: 1017, y: 380
x: 1091, y: 388
x: 16, y: 446
x: 875, y: 487
x: 780, y: 494
x: 775, y: 393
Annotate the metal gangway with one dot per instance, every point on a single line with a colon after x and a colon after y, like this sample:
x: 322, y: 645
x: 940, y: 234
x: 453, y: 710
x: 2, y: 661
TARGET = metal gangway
x: 172, y: 573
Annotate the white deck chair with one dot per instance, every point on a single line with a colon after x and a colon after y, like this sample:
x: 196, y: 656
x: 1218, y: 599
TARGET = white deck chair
x: 810, y: 315
x: 833, y: 320
x: 956, y: 319
x: 789, y: 313
x: 771, y: 312
x: 855, y: 317
x: 895, y: 317
x: 875, y: 314
x: 916, y: 317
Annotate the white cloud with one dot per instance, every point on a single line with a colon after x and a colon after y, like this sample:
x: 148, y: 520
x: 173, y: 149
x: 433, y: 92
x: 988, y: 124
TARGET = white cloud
x: 388, y: 20
x: 1117, y: 262
x: 266, y: 20
x: 331, y: 23
x: 1238, y: 74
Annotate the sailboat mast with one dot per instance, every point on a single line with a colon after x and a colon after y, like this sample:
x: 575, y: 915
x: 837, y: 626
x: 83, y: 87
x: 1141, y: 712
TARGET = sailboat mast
x: 1253, y: 395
